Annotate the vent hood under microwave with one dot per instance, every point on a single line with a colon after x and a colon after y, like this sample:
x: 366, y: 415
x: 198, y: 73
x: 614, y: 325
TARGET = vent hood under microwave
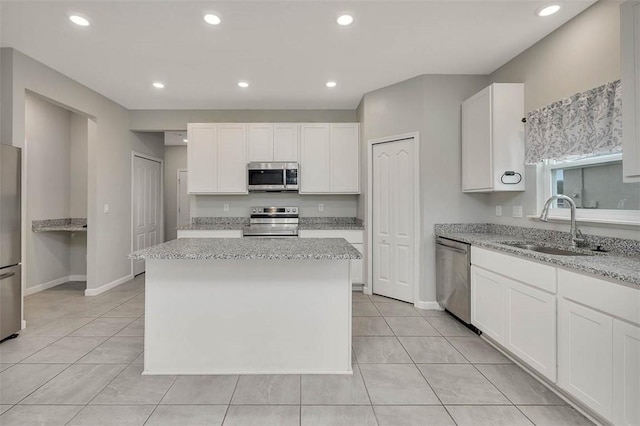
x: 272, y: 177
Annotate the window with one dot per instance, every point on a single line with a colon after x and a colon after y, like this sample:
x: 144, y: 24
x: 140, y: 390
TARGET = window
x: 596, y: 186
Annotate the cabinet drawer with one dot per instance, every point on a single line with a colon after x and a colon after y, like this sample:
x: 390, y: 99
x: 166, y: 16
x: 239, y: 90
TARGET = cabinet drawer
x: 221, y: 233
x: 352, y: 236
x: 526, y: 271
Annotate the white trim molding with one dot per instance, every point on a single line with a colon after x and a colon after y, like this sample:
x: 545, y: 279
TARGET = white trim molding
x: 107, y: 286
x: 45, y: 286
x: 429, y: 306
x: 415, y: 136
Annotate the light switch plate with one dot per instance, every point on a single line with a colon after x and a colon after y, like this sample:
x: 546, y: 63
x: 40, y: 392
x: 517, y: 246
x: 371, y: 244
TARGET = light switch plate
x: 517, y: 211
x: 498, y: 210
x: 106, y: 208
x: 226, y: 207
x: 320, y: 207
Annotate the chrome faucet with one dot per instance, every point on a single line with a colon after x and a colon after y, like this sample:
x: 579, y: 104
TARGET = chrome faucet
x: 576, y: 235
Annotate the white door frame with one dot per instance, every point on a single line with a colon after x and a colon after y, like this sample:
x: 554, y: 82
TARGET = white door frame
x: 368, y: 289
x: 178, y: 197
x: 135, y: 154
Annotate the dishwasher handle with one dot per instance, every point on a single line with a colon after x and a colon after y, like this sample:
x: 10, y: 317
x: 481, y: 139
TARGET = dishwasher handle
x: 448, y: 247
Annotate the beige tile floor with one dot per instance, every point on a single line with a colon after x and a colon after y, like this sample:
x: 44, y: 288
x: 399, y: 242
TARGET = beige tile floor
x: 79, y: 363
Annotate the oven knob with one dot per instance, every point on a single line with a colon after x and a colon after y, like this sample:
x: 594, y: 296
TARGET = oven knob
x: 253, y: 211
x: 288, y: 210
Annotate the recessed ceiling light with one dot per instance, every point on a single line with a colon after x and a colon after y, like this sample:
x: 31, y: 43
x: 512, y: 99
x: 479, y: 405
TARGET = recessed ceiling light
x: 79, y: 20
x: 185, y: 140
x: 345, y: 20
x: 243, y: 84
x: 331, y: 84
x: 212, y: 19
x: 548, y: 10
x: 158, y: 85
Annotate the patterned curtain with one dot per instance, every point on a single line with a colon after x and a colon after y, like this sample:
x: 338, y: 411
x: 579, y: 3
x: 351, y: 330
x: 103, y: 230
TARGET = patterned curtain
x: 586, y: 124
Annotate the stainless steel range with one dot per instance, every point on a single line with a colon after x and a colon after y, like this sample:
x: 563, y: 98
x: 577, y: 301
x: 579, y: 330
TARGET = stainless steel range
x: 270, y: 222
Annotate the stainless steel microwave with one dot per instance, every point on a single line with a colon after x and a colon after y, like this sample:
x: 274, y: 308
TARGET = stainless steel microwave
x: 272, y: 177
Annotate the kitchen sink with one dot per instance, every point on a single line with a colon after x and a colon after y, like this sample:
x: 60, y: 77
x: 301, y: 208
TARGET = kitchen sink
x: 547, y: 250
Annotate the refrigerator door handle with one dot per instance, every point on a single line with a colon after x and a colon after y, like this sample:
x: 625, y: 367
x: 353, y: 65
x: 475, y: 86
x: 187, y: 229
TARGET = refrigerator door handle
x: 7, y: 275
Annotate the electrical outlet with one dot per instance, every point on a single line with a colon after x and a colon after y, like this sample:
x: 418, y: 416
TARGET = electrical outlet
x: 517, y: 211
x: 226, y: 207
x: 320, y: 207
x: 106, y: 208
x: 498, y: 210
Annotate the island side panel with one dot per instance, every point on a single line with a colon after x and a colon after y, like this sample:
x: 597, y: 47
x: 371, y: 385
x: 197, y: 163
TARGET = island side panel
x: 247, y: 316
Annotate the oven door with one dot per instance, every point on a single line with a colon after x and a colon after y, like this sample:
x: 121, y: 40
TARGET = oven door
x: 266, y: 179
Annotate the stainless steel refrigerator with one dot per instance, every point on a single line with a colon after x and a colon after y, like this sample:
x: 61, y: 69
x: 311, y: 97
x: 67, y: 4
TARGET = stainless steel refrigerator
x: 10, y: 269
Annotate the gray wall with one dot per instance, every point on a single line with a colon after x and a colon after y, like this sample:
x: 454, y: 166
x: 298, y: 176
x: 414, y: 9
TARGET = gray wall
x: 161, y: 120
x: 110, y: 146
x: 78, y: 192
x: 582, y: 54
x: 175, y: 157
x: 430, y: 105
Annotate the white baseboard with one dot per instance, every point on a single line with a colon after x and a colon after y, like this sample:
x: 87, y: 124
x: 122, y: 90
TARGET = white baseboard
x: 367, y: 290
x: 357, y: 287
x: 77, y: 278
x: 24, y: 324
x: 108, y: 286
x: 41, y: 287
x: 432, y: 306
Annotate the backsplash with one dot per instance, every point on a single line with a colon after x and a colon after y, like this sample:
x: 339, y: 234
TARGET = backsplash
x: 614, y: 245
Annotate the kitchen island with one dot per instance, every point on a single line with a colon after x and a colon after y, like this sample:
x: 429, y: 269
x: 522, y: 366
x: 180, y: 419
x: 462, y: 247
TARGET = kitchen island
x: 248, y: 306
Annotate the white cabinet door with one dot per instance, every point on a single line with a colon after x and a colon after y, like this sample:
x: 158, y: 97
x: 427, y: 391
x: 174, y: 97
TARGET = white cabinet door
x: 585, y: 358
x: 345, y: 158
x: 626, y: 374
x: 315, y: 162
x: 357, y: 273
x: 477, y: 168
x: 531, y: 327
x: 232, y: 158
x: 488, y: 303
x: 630, y: 41
x: 261, y: 142
x: 202, y: 154
x: 285, y: 142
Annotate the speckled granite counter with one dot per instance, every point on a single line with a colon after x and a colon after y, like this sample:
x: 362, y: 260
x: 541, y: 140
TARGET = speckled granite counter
x: 621, y: 263
x: 251, y: 248
x: 306, y: 223
x: 57, y: 225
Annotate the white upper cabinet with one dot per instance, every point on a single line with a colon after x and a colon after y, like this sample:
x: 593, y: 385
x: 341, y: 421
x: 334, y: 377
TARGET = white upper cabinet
x: 273, y: 142
x: 493, y: 139
x: 630, y: 39
x: 329, y: 158
x: 217, y: 158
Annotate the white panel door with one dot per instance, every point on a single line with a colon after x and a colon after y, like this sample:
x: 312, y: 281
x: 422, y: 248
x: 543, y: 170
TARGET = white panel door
x: 488, y: 303
x: 261, y: 142
x: 184, y: 208
x: 345, y: 156
x: 476, y: 142
x: 531, y: 327
x: 202, y: 158
x: 146, y: 206
x: 286, y: 138
x: 393, y: 220
x: 585, y: 358
x: 315, y: 174
x: 626, y: 374
x: 232, y: 158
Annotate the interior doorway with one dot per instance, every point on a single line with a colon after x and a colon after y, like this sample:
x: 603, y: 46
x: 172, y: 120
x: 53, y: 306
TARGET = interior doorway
x: 393, y: 212
x: 147, y: 205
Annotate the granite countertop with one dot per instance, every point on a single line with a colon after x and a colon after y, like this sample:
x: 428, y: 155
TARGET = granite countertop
x: 613, y: 265
x: 251, y: 248
x: 306, y: 223
x: 73, y: 224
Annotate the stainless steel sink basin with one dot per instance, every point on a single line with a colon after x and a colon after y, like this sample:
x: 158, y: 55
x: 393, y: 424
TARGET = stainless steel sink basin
x: 547, y: 250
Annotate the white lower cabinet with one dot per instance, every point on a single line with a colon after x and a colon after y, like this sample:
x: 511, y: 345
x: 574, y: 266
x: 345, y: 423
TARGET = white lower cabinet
x: 354, y: 237
x: 209, y: 233
x: 626, y: 373
x: 585, y: 359
x: 531, y: 327
x: 515, y: 315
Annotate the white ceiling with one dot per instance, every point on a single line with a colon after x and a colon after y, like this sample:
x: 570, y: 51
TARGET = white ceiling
x: 287, y: 50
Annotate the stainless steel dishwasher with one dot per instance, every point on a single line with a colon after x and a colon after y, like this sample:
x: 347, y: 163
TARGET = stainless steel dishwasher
x: 453, y: 278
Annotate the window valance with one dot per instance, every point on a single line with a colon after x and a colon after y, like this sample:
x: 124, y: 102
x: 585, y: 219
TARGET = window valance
x: 585, y: 124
